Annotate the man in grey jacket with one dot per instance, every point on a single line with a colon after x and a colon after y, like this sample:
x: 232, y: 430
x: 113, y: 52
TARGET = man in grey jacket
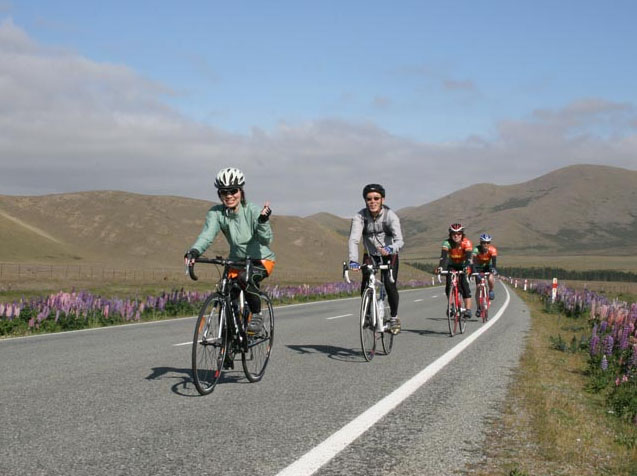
x: 382, y: 237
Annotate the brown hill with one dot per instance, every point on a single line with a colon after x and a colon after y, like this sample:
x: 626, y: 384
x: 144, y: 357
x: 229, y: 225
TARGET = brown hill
x: 577, y: 210
x: 118, y: 229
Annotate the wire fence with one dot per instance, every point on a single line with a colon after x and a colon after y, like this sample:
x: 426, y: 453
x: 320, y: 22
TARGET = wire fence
x: 22, y: 271
x: 97, y: 273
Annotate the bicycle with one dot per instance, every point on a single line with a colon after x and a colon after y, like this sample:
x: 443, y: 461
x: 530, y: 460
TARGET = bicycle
x: 373, y: 325
x: 455, y: 311
x: 220, y: 331
x: 482, y: 295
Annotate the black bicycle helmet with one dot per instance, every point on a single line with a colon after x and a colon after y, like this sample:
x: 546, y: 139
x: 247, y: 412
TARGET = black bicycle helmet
x: 373, y: 187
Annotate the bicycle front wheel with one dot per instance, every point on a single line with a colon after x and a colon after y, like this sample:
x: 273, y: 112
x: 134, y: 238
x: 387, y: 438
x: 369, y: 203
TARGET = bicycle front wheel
x: 255, y: 358
x: 367, y: 325
x: 209, y: 345
x: 452, y: 313
x: 484, y: 304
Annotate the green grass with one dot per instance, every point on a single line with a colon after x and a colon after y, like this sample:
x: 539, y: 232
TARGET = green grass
x: 552, y: 423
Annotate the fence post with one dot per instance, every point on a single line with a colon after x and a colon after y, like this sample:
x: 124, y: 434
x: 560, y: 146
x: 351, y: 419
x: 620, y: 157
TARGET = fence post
x: 525, y: 283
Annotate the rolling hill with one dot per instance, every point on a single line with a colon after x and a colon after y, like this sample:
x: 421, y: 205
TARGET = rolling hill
x: 575, y: 211
x: 119, y: 229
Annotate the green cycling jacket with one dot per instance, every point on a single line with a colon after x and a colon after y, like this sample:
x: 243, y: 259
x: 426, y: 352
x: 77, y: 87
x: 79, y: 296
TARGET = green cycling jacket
x: 246, y: 236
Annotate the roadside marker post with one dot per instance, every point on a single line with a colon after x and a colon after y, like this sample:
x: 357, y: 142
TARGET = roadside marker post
x: 525, y: 283
x: 554, y: 290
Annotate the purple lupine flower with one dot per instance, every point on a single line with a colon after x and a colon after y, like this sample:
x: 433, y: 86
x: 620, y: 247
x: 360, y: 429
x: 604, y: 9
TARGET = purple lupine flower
x: 608, y: 344
x: 603, y: 326
x: 594, y: 345
x: 623, y: 341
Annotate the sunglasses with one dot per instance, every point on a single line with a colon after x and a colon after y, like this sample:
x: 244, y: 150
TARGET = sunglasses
x: 372, y: 199
x: 228, y: 191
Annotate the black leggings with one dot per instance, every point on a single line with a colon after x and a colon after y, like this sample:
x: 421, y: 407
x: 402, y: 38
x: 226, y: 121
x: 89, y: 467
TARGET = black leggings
x: 259, y: 273
x: 392, y: 290
x: 463, y: 286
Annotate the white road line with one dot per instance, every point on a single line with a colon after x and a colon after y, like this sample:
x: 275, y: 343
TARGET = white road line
x: 314, y: 459
x: 434, y: 296
x: 418, y: 300
x: 183, y: 343
x: 338, y: 317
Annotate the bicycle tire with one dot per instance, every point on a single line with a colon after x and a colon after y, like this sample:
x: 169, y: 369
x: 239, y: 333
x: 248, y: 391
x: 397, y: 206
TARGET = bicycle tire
x: 484, y: 303
x: 452, y: 312
x: 367, y: 326
x: 386, y: 337
x: 259, y: 347
x: 209, y: 345
x: 461, y: 319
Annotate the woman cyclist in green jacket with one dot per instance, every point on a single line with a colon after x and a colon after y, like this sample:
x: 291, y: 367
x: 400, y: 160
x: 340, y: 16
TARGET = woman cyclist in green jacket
x: 247, y: 229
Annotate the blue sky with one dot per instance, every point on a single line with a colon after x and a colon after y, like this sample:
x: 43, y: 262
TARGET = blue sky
x: 321, y: 94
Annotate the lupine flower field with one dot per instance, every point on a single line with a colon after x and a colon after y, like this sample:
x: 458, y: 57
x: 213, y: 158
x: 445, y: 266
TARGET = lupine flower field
x: 81, y: 309
x: 611, y: 342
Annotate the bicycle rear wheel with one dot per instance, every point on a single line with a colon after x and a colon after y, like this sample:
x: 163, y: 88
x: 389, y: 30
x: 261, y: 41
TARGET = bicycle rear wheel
x: 461, y: 320
x: 387, y: 337
x: 255, y: 358
x: 209, y: 345
x: 452, y: 312
x: 367, y: 326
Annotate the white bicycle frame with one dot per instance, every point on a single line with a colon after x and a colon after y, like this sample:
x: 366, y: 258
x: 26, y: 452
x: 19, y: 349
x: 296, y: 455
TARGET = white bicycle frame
x: 378, y: 312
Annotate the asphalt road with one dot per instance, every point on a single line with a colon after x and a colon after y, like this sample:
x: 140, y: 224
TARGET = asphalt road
x: 120, y: 400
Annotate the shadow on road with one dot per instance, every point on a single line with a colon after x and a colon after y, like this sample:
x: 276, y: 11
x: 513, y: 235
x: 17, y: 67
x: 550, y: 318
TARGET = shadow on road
x: 338, y: 353
x: 425, y: 332
x: 185, y: 386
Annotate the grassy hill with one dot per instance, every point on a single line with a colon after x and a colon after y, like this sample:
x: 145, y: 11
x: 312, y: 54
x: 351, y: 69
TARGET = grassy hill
x: 118, y: 229
x: 575, y: 211
x: 565, y: 218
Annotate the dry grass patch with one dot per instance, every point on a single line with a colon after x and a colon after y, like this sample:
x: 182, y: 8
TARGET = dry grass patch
x: 551, y: 424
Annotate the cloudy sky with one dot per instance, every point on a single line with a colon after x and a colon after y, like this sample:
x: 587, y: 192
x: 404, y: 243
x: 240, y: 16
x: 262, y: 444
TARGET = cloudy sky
x: 311, y: 99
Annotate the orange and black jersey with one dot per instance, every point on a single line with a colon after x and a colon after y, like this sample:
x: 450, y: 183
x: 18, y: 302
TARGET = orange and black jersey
x: 456, y: 256
x: 484, y: 257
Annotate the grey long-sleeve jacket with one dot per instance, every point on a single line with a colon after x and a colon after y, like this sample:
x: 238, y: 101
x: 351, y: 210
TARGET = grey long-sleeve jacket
x: 377, y: 233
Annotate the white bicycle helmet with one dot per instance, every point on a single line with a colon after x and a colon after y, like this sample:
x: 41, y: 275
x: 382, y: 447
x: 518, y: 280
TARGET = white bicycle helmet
x: 456, y: 228
x: 230, y: 178
x: 485, y: 238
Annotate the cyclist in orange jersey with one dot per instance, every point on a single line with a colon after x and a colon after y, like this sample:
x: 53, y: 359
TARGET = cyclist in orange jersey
x: 456, y: 254
x: 484, y: 258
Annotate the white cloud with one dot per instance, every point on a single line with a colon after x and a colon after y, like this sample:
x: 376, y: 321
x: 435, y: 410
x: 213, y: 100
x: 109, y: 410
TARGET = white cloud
x: 68, y: 123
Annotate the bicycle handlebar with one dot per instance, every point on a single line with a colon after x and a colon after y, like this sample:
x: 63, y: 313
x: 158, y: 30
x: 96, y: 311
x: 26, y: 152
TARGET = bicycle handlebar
x: 246, y: 263
x: 444, y: 271
x: 477, y: 275
x: 371, y: 267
